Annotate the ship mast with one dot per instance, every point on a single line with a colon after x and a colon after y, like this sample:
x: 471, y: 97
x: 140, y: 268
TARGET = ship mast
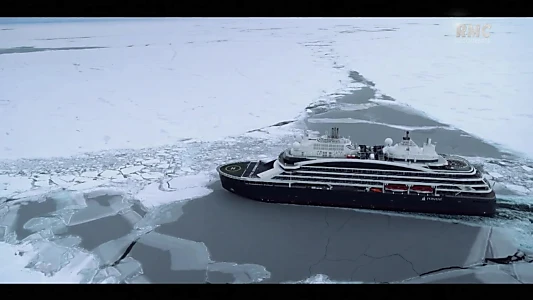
x: 408, y: 140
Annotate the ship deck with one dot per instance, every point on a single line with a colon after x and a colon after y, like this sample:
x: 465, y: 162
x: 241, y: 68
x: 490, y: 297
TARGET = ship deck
x: 245, y: 168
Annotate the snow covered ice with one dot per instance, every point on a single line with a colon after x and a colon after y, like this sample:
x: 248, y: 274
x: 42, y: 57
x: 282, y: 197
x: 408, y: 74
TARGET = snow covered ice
x: 144, y: 112
x: 210, y: 70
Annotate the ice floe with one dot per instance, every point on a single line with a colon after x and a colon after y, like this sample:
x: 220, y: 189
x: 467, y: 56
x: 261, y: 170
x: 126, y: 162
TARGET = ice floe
x: 11, y: 184
x: 110, y: 174
x: 130, y: 170
x: 178, y: 189
x: 527, y: 169
x: 43, y: 262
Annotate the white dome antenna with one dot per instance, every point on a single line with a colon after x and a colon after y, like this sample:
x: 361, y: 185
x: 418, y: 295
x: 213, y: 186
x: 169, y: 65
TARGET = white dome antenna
x: 388, y: 142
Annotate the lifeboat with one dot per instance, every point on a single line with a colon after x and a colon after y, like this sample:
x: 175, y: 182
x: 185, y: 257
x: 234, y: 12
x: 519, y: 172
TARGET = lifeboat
x: 422, y: 189
x: 351, y: 156
x: 376, y: 190
x: 396, y: 187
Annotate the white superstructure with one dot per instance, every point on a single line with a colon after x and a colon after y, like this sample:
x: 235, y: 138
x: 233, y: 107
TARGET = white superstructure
x: 407, y: 150
x: 312, y: 145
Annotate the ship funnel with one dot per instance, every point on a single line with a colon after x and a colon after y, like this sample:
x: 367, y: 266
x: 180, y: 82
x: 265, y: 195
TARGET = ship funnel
x: 334, y: 132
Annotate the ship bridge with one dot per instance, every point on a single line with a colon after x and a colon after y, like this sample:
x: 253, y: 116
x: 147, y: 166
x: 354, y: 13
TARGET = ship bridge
x: 327, y: 145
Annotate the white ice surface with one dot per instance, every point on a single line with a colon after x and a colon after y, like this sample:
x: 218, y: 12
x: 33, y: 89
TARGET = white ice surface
x: 231, y: 67
x: 154, y: 83
x: 482, y: 87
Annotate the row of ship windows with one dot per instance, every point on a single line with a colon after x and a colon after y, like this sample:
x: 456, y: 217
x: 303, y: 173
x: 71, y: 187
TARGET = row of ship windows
x: 387, y: 172
x: 384, y: 177
x: 448, y: 187
x: 328, y: 147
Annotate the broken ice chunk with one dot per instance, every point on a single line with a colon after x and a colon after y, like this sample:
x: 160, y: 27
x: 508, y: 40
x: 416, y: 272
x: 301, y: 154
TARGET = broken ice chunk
x: 39, y: 236
x: 95, y: 211
x: 108, y: 280
x: 3, y: 233
x: 128, y: 268
x: 138, y: 279
x: 163, y: 166
x: 182, y: 188
x: 495, y: 174
x: 8, y: 219
x: 131, y: 216
x: 110, y: 252
x: 102, y: 192
x: 161, y: 215
x: 10, y: 185
x: 524, y: 272
x: 486, y: 274
x: 110, y: 174
x: 68, y: 241
x: 151, y: 162
x: 119, y: 180
x: 87, y: 185
x: 65, y: 215
x: 60, y: 182
x: 50, y: 257
x: 68, y: 200
x: 130, y: 170
x: 152, y: 175
x: 522, y: 190
x: 184, y: 254
x: 38, y: 193
x: 89, y: 174
x: 67, y: 178
x: 186, y: 169
x: 106, y: 275
x: 245, y: 273
x: 54, y: 224
x: 527, y: 169
x: 500, y: 244
x: 134, y: 177
x: 78, y: 267
x: 191, y: 181
x: 41, y: 183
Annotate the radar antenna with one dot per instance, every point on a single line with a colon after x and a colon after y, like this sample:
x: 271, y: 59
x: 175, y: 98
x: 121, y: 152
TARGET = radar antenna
x: 406, y: 137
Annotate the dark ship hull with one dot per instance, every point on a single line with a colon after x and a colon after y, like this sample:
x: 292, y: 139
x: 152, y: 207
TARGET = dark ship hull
x: 345, y: 196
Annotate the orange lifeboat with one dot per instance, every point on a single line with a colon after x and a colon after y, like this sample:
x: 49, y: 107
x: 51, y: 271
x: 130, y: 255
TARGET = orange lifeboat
x: 396, y: 187
x: 376, y: 190
x: 422, y: 189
